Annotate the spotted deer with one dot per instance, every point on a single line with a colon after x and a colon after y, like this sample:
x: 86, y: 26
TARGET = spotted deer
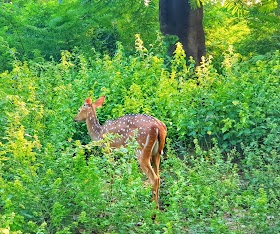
x: 151, y: 134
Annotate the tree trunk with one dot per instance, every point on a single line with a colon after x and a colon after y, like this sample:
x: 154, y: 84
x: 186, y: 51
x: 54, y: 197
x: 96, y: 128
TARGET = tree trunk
x: 177, y: 18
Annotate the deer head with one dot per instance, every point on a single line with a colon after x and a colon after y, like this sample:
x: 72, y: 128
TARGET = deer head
x: 89, y: 109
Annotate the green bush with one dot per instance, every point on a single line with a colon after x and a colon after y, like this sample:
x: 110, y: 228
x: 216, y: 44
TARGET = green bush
x: 223, y: 126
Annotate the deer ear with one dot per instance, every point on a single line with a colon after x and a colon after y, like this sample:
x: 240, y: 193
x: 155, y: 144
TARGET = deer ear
x: 99, y: 102
x: 88, y: 102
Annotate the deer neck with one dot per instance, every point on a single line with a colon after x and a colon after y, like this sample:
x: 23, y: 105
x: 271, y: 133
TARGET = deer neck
x: 93, y: 126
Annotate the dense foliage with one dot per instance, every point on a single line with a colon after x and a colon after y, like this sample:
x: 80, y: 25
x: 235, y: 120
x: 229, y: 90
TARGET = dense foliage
x: 47, y: 186
x: 47, y: 27
x: 220, y: 169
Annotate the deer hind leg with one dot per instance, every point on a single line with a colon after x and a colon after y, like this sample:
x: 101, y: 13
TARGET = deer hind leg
x: 156, y: 158
x: 155, y: 163
x: 145, y: 164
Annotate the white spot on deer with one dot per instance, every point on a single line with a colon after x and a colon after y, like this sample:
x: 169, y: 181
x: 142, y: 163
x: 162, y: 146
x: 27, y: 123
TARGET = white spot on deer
x: 147, y: 141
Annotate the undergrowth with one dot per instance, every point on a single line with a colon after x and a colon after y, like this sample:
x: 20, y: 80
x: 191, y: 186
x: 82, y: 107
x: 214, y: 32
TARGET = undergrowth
x: 224, y: 126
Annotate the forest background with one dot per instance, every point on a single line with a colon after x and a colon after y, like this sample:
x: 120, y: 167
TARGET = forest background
x: 220, y: 168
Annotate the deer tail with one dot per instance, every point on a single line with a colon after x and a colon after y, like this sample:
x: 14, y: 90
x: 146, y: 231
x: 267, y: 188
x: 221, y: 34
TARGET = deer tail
x: 161, y: 137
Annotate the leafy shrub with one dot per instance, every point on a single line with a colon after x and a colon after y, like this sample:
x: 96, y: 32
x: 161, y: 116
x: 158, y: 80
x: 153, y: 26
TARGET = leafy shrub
x: 214, y: 121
